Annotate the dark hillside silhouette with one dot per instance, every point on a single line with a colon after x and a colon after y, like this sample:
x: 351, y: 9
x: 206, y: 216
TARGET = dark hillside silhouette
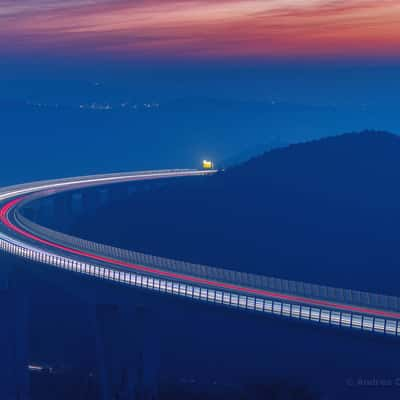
x: 326, y: 211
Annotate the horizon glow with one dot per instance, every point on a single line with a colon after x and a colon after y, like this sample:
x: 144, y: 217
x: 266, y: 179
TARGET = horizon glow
x: 202, y: 29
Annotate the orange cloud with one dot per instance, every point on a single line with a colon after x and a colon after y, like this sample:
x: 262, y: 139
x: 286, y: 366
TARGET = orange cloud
x: 203, y: 28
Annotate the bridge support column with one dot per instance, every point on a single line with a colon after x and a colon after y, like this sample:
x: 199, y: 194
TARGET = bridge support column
x: 118, y: 192
x: 63, y: 210
x: 14, y: 374
x: 128, y: 353
x: 102, y: 196
x: 45, y: 210
x: 90, y: 200
x: 77, y: 203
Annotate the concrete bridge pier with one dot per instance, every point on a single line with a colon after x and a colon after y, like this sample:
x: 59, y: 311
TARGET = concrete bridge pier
x: 127, y: 351
x: 102, y: 196
x: 91, y: 200
x: 14, y: 374
x: 76, y: 203
x: 148, y: 327
x: 45, y: 210
x: 118, y: 192
x: 63, y: 210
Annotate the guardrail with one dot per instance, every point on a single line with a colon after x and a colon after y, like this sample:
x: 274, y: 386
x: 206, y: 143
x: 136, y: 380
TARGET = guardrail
x: 318, y: 303
x: 296, y: 288
x: 198, y: 293
x: 65, y: 182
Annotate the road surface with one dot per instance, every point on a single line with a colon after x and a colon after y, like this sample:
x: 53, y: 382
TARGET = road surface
x: 319, y: 304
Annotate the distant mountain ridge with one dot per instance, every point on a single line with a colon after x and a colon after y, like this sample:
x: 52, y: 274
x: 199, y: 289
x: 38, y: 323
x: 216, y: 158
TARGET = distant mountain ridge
x: 250, y: 152
x: 326, y: 211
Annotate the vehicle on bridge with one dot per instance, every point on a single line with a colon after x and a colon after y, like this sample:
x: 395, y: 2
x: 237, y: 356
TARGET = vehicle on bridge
x: 208, y: 164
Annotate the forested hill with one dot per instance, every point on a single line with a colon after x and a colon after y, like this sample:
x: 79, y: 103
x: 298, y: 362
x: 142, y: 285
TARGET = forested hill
x: 326, y: 211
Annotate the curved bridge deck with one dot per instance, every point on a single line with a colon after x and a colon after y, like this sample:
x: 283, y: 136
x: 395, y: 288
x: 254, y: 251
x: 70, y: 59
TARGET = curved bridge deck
x: 243, y: 291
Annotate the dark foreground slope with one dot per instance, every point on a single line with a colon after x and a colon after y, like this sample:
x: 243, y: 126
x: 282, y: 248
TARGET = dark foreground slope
x: 326, y: 211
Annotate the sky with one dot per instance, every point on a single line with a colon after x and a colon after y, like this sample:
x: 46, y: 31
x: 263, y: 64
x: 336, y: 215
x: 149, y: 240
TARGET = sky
x: 202, y: 29
x: 228, y: 75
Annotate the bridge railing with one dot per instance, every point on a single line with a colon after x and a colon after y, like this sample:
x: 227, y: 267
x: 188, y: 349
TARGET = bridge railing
x: 248, y: 280
x: 65, y: 181
x: 228, y: 298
